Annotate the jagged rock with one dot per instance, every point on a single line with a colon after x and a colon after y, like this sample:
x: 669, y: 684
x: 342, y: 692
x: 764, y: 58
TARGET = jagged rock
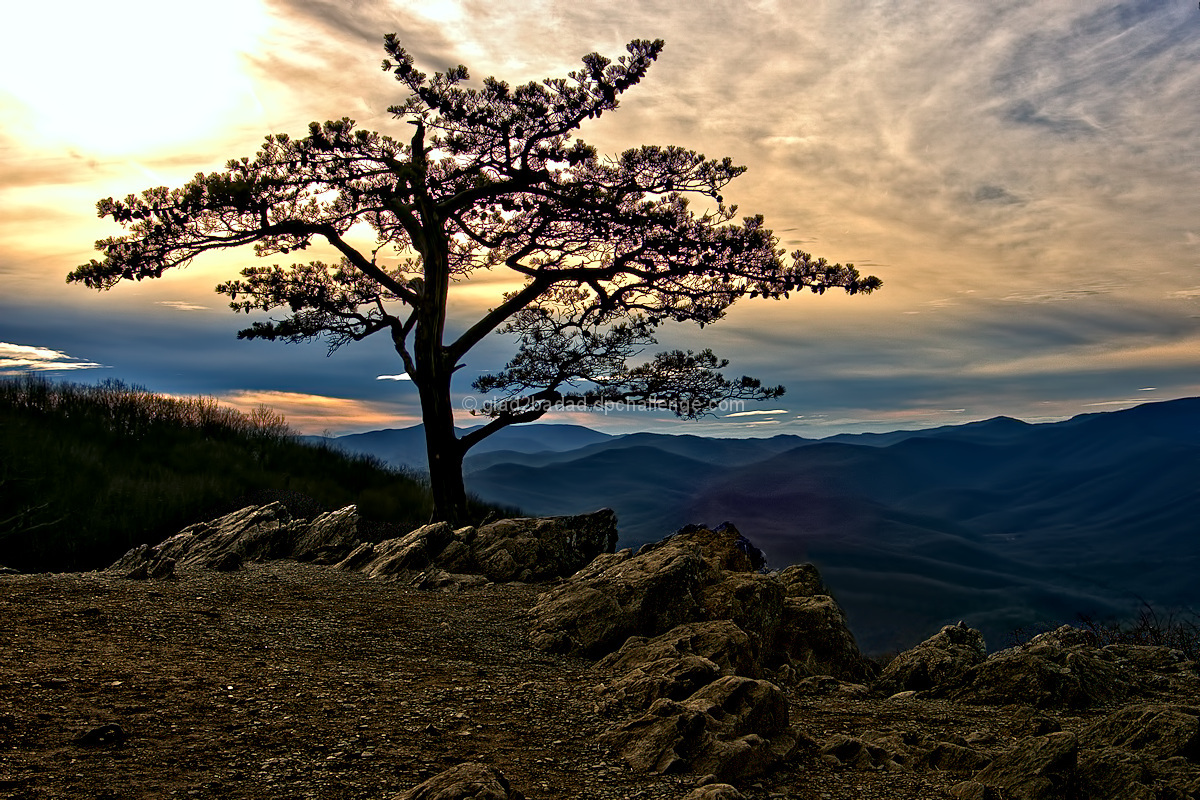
x: 951, y: 757
x: 8, y: 570
x: 1057, y: 669
x: 508, y: 550
x: 801, y: 580
x: 469, y: 781
x: 942, y: 659
x: 251, y: 534
x: 674, y: 665
x: 1148, y: 658
x: 719, y: 641
x: 715, y: 791
x: 902, y: 751
x: 853, y: 752
x: 435, y: 579
x: 754, y: 603
x: 328, y: 538
x: 612, y: 599
x: 1113, y: 774
x: 545, y: 548
x: 723, y: 547
x: 1156, y: 730
x: 676, y: 678
x: 402, y: 557
x: 734, y: 728
x: 1034, y: 768
x: 815, y: 638
x: 694, y: 575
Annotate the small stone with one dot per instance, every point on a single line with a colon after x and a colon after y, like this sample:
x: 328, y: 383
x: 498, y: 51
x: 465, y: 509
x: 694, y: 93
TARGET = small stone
x: 103, y: 735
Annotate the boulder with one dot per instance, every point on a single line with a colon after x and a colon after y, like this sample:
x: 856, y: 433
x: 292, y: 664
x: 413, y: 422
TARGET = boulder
x: 1113, y: 774
x: 754, y: 603
x: 801, y: 580
x: 941, y: 660
x: 715, y: 791
x: 542, y: 549
x: 612, y: 599
x: 856, y: 753
x: 696, y: 575
x: 815, y: 639
x: 719, y: 641
x: 1034, y: 768
x: 1058, y: 669
x: 508, y: 550
x: 674, y: 665
x: 734, y: 728
x: 516, y: 549
x: 723, y: 546
x: 902, y: 751
x: 400, y: 558
x: 328, y: 538
x: 254, y: 533
x: 1155, y: 730
x: 468, y: 781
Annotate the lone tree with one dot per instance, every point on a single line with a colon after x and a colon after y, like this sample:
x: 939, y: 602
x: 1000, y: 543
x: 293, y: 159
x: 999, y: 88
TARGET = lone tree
x: 604, y: 249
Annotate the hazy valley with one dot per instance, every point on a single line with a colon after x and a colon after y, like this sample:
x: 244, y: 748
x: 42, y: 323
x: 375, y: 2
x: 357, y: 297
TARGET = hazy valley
x: 1001, y: 523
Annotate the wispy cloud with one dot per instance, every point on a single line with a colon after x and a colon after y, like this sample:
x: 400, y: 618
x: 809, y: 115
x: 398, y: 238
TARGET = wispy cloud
x: 17, y: 358
x: 182, y: 305
x: 314, y: 413
x: 756, y: 413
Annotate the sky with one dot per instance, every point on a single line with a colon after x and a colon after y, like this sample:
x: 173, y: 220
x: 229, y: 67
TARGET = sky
x: 1022, y: 175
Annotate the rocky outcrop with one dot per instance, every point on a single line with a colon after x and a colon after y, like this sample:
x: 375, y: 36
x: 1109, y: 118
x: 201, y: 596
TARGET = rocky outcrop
x: 941, y: 660
x: 1035, y: 768
x: 733, y: 728
x: 1156, y: 730
x: 686, y: 628
x: 469, y: 781
x: 255, y: 533
x: 509, y: 550
x: 432, y: 556
x: 1057, y: 669
x: 1141, y: 751
x: 901, y: 752
x: 674, y: 665
x: 693, y: 576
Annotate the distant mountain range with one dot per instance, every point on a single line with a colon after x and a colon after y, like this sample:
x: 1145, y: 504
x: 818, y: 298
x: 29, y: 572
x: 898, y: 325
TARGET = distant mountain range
x: 405, y: 447
x: 1002, y: 523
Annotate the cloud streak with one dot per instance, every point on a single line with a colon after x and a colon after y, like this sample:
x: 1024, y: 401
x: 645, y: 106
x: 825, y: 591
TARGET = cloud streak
x: 314, y: 413
x: 17, y: 359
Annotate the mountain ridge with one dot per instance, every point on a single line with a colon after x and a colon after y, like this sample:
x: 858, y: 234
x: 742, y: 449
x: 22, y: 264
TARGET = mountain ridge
x: 1000, y: 521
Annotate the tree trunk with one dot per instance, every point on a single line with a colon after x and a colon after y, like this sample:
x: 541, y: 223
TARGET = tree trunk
x: 445, y: 454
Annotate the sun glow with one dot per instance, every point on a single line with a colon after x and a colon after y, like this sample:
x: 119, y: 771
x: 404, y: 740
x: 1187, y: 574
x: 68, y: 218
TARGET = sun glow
x: 126, y: 76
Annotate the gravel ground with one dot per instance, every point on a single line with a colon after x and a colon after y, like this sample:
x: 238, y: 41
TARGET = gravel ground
x: 287, y: 680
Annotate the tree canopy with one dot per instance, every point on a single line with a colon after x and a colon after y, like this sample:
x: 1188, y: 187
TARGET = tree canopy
x: 603, y: 250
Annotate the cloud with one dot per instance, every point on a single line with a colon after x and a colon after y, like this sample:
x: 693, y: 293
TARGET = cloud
x: 16, y: 359
x: 401, y: 377
x: 182, y: 305
x: 315, y: 413
x: 754, y: 413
